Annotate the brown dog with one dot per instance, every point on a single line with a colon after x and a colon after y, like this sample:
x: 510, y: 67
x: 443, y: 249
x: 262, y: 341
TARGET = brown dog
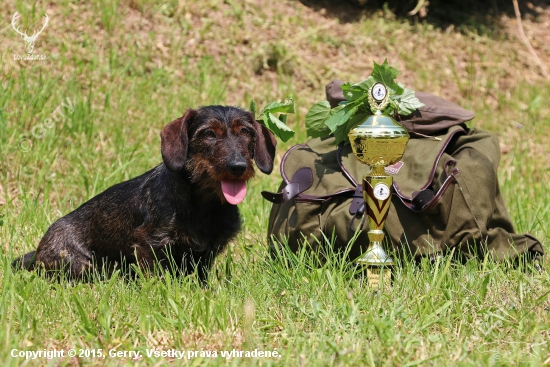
x: 179, y: 215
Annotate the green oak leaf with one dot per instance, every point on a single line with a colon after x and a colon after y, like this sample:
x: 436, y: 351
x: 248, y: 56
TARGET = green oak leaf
x: 352, y: 92
x: 407, y: 103
x: 341, y: 135
x: 366, y: 84
x: 341, y: 116
x: 386, y: 74
x: 278, y: 127
x: 315, y: 119
x: 284, y: 107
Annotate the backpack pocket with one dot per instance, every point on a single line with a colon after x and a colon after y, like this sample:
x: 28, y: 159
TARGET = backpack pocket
x: 296, y: 221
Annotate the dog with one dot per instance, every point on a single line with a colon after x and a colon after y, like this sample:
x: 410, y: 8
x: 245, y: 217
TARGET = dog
x: 179, y: 215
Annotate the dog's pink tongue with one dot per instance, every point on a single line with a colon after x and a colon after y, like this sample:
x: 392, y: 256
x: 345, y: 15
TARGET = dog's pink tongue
x: 234, y: 191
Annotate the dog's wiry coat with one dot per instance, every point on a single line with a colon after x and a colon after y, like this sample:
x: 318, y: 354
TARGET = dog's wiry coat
x: 177, y: 215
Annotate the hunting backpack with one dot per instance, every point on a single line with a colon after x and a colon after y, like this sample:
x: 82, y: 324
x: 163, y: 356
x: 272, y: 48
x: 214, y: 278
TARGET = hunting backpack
x: 446, y: 193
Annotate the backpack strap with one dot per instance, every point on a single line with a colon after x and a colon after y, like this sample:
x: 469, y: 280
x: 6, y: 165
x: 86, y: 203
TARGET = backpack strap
x: 300, y: 182
x: 358, y: 202
x: 407, y: 195
x: 285, y: 157
x: 426, y: 199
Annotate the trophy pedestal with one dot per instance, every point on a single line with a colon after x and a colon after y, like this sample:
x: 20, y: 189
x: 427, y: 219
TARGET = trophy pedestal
x: 377, y: 265
x: 376, y: 275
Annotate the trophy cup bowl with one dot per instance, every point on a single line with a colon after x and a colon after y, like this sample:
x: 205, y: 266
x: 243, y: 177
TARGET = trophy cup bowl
x: 378, y: 142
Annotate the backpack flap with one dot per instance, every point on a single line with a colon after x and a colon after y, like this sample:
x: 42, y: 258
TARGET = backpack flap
x: 311, y: 172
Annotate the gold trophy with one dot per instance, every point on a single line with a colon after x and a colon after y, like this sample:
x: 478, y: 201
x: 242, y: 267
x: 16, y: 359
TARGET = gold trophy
x: 380, y: 141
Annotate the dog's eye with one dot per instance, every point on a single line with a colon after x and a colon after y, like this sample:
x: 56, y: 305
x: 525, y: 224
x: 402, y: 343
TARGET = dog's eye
x: 244, y: 132
x: 209, y: 134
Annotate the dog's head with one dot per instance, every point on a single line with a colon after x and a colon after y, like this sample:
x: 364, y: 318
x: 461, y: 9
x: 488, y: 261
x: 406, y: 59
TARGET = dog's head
x: 215, y: 146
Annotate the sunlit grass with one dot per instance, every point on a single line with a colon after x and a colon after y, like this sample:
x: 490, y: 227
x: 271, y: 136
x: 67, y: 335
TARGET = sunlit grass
x: 130, y: 67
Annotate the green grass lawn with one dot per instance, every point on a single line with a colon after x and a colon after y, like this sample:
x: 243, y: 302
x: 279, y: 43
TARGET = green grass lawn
x: 117, y: 71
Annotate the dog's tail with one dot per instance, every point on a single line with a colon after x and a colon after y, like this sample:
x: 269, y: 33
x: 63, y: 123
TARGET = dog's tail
x: 26, y: 261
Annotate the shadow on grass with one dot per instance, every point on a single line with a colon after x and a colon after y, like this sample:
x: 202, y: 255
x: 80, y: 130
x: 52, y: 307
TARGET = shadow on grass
x: 482, y: 17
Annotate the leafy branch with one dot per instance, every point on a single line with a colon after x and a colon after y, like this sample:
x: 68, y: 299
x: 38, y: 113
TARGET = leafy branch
x: 321, y: 120
x: 276, y: 124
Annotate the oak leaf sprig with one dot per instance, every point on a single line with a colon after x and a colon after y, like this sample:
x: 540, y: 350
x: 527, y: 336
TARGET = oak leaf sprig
x: 276, y: 124
x: 322, y: 120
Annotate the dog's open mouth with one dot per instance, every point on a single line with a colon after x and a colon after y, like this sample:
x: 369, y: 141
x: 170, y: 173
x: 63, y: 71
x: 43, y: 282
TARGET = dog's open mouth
x: 234, y: 191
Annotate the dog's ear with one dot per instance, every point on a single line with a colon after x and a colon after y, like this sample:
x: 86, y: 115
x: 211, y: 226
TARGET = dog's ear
x: 264, y: 151
x: 174, y: 141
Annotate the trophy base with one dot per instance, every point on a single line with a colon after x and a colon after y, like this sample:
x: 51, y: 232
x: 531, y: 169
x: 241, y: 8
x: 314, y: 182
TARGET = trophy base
x: 377, y: 265
x: 378, y: 274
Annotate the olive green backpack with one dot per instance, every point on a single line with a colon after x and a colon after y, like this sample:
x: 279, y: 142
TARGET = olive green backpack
x: 446, y: 192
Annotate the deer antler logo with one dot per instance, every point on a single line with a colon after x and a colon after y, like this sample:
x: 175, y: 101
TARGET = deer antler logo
x: 29, y: 40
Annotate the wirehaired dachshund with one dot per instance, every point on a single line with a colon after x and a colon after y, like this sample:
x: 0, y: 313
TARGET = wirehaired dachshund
x: 179, y: 215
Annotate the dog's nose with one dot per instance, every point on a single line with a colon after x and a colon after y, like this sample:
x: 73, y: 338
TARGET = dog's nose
x: 236, y: 168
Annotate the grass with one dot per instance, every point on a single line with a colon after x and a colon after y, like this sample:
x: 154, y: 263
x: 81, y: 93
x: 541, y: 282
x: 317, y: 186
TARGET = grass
x: 128, y: 67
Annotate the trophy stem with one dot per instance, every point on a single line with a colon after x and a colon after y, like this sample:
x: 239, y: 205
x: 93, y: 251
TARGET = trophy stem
x: 377, y: 195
